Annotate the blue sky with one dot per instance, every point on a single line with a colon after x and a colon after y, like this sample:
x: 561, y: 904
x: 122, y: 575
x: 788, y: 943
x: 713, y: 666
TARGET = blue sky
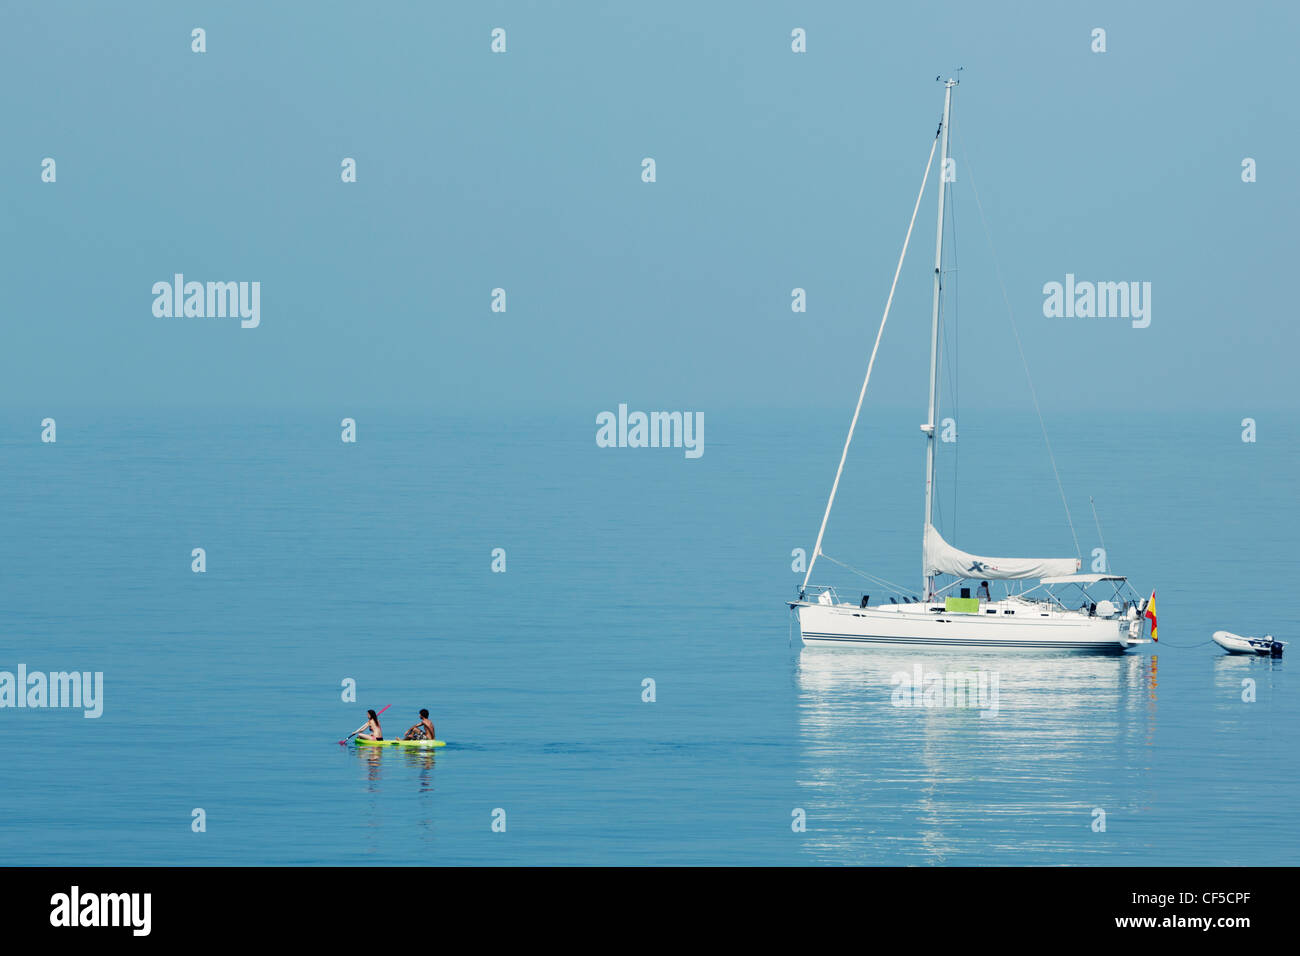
x: 522, y: 171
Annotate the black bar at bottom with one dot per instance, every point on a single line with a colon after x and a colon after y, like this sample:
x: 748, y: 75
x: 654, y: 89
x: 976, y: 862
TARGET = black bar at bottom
x: 334, y: 905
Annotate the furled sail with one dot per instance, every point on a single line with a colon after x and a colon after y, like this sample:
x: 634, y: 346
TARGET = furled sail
x: 943, y: 558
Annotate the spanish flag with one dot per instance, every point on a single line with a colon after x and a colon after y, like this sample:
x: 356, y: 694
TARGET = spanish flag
x: 1151, y: 613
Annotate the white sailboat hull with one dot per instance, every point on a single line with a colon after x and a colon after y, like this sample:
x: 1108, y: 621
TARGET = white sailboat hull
x: 1004, y: 624
x: 1020, y: 621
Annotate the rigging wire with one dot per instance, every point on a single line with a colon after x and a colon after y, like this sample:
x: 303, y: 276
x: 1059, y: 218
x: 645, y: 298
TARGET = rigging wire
x: 938, y: 401
x: 1020, y: 348
x: 872, y: 362
x: 1097, y: 521
x: 949, y: 351
x: 953, y: 368
x: 890, y: 585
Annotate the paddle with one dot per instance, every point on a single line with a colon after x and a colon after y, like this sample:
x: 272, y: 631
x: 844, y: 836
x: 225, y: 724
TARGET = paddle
x: 344, y: 741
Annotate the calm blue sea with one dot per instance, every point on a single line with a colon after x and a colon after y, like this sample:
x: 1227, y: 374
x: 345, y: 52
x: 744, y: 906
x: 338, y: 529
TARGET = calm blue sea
x: 372, y: 561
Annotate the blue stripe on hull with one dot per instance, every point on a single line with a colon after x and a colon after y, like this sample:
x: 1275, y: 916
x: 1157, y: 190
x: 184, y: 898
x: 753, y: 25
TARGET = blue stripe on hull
x: 1102, y: 646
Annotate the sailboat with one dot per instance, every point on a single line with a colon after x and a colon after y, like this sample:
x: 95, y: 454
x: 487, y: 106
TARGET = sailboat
x: 946, y: 615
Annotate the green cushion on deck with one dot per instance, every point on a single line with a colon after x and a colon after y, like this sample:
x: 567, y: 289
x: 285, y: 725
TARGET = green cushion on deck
x: 962, y: 605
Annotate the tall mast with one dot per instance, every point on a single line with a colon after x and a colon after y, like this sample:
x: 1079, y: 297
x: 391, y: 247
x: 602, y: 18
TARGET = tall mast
x: 929, y: 427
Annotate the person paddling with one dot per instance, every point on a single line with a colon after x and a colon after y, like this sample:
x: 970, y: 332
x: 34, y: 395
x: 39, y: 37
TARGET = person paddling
x: 373, y: 730
x: 423, y: 730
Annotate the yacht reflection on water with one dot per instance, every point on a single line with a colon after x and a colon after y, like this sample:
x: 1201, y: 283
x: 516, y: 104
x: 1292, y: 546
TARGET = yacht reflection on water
x: 967, y: 757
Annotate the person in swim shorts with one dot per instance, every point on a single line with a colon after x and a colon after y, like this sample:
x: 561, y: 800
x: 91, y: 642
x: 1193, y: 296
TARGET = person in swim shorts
x: 423, y: 730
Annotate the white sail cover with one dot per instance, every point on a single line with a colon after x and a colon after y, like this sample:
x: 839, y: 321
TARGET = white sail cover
x: 943, y: 558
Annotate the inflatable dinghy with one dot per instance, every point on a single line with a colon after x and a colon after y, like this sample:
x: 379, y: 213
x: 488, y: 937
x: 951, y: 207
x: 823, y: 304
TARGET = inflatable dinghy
x: 1236, y: 644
